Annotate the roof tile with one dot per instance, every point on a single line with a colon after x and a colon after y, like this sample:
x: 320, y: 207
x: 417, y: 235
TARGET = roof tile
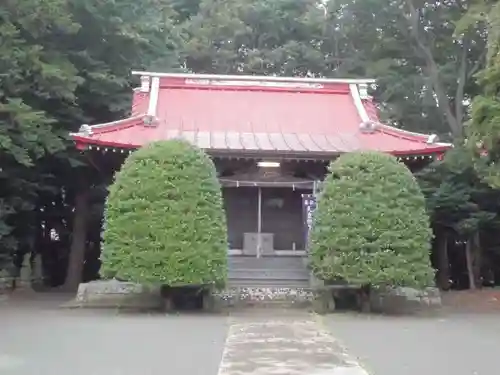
x: 308, y: 143
x: 203, y: 140
x: 278, y: 142
x: 234, y: 141
x: 218, y: 141
x: 293, y: 141
x: 264, y: 142
x: 249, y: 141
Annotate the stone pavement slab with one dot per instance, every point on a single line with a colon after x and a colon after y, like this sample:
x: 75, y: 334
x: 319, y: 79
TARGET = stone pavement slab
x: 292, y: 345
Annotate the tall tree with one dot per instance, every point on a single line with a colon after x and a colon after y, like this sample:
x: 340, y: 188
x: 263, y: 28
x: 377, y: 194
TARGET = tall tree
x: 64, y: 63
x: 423, y: 65
x: 262, y: 37
x: 114, y: 38
x: 460, y: 205
x: 484, y: 127
x: 36, y: 75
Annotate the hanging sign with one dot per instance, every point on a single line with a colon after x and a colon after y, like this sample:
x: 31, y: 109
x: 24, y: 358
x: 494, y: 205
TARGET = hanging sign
x: 308, y: 208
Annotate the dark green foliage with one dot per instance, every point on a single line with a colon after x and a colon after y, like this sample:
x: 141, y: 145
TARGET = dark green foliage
x: 165, y: 221
x: 483, y: 131
x: 34, y: 77
x: 462, y: 207
x: 457, y: 199
x: 282, y: 37
x: 64, y: 63
x: 371, y: 226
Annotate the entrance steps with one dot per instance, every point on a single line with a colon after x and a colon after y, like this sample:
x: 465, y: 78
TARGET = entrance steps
x: 268, y: 281
x: 272, y: 262
x: 275, y: 271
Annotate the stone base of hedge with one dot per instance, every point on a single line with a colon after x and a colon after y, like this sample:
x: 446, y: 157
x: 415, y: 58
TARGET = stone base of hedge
x: 5, y: 281
x: 117, y: 294
x: 401, y: 300
x: 130, y: 296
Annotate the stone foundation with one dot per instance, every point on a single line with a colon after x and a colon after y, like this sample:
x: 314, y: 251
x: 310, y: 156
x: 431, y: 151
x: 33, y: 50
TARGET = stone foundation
x: 117, y: 294
x: 126, y: 295
x: 264, y: 296
x: 5, y: 281
x: 404, y: 300
x: 401, y: 300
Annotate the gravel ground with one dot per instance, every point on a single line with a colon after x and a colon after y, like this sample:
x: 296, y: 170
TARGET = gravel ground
x: 39, y: 340
x: 458, y: 344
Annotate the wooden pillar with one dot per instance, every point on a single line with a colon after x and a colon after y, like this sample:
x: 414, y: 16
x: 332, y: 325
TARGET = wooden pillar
x: 78, y: 240
x: 259, y: 221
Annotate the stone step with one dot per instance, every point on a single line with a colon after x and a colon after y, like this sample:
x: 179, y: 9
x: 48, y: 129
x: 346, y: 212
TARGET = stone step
x: 266, y: 296
x: 278, y: 262
x: 304, y: 283
x: 269, y: 274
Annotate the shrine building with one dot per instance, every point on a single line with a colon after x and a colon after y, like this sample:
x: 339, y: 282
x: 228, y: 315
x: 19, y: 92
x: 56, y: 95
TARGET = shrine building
x: 271, y: 139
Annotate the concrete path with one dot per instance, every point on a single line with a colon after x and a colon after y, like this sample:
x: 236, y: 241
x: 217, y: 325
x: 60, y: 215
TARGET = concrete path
x: 454, y: 344
x: 291, y: 346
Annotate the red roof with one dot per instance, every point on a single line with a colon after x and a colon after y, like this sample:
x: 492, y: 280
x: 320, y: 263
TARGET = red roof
x: 256, y: 114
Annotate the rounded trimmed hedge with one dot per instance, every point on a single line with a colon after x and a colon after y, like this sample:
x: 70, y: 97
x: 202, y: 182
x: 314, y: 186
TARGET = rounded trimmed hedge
x: 371, y: 226
x: 164, y: 218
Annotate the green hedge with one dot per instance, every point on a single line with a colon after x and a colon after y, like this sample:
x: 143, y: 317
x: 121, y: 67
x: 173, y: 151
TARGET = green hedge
x: 164, y: 218
x: 371, y: 226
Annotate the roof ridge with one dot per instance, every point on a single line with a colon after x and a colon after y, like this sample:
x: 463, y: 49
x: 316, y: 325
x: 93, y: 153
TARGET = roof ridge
x: 86, y: 129
x: 393, y: 130
x: 253, y: 77
x: 388, y: 129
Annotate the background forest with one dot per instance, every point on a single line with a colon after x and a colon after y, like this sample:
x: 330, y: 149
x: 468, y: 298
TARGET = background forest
x: 64, y: 63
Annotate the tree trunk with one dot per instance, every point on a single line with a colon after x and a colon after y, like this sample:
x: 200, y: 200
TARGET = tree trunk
x: 477, y: 261
x: 469, y: 263
x: 364, y: 299
x: 432, y: 70
x: 77, y: 251
x: 443, y: 273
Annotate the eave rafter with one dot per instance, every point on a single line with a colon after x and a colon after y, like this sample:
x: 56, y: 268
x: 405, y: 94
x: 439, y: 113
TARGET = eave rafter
x: 403, y: 158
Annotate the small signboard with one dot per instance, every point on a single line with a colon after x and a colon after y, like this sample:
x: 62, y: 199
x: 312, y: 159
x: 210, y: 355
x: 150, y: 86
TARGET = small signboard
x: 308, y: 208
